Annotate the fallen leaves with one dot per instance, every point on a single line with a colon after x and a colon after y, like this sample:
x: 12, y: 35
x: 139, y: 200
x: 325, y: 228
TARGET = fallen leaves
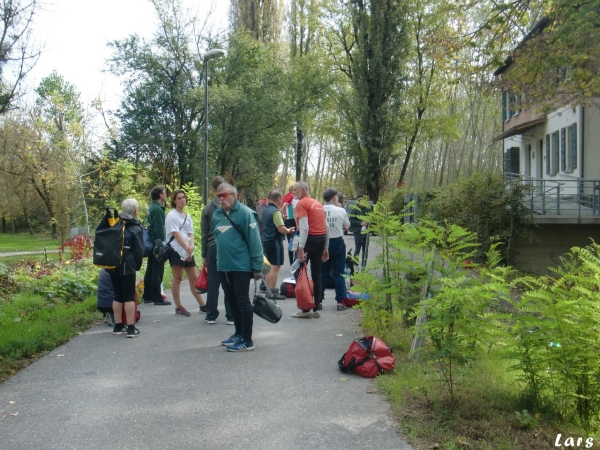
x: 344, y: 379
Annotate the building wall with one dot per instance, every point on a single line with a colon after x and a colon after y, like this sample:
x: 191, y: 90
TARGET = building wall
x: 549, y: 243
x: 533, y: 161
x: 591, y: 142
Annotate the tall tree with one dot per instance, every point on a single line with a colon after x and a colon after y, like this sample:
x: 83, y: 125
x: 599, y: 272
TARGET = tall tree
x: 262, y: 19
x: 249, y: 114
x: 378, y: 78
x: 17, y: 56
x: 162, y: 113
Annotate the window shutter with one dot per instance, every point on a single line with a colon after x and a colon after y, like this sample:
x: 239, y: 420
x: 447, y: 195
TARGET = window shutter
x: 547, y: 154
x: 563, y: 150
x: 573, y: 147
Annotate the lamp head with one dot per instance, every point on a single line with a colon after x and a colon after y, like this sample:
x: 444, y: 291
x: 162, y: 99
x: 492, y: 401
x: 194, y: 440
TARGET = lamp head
x: 213, y: 54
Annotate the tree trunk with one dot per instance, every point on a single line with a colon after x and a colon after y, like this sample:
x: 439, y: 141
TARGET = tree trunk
x: 299, y: 145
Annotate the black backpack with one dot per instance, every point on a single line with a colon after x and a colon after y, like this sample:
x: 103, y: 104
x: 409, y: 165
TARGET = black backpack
x: 109, y: 240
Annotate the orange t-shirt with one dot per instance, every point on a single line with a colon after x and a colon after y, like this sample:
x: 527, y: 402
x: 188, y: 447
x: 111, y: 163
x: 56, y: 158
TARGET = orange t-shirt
x: 311, y: 208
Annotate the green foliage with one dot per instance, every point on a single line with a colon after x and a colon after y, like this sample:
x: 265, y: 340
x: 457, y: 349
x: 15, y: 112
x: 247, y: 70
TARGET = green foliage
x: 556, y: 325
x: 484, y: 205
x: 526, y: 420
x: 194, y: 209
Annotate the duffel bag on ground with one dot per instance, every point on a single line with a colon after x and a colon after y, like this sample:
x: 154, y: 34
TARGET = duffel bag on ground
x: 367, y: 357
x: 288, y: 287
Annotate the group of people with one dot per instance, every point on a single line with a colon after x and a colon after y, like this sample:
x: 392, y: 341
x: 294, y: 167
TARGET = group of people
x: 234, y: 242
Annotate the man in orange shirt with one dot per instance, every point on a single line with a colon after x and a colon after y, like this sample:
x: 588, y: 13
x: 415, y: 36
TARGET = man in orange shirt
x: 310, y: 218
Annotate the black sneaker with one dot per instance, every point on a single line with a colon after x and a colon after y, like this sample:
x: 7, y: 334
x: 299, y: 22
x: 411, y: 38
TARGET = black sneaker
x: 119, y: 329
x: 341, y: 307
x: 133, y: 333
x: 204, y: 309
x: 162, y: 303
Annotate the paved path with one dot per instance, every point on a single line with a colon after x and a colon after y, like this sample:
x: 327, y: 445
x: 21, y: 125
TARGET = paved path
x: 176, y: 387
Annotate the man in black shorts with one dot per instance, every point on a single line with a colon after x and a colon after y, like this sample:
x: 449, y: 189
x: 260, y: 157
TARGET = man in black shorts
x: 273, y: 234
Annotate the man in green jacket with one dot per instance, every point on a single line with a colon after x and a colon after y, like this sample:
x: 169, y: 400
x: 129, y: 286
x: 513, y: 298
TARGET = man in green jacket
x: 239, y: 258
x: 156, y: 227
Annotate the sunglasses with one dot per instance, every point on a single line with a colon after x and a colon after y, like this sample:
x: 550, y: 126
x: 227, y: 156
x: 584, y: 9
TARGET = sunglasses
x: 222, y: 196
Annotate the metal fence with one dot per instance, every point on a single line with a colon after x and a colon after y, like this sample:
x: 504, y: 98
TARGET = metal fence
x: 566, y: 198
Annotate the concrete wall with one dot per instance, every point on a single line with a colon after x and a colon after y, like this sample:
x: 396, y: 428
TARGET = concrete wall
x: 549, y: 243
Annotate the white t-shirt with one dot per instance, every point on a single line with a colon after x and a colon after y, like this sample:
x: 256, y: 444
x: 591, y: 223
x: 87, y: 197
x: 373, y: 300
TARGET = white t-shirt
x: 184, y: 224
x: 337, y: 220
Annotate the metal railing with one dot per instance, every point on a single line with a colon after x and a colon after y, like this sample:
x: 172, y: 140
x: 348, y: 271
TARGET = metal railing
x: 567, y: 198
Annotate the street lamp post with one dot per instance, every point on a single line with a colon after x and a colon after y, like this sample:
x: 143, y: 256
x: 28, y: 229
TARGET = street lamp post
x: 211, y: 54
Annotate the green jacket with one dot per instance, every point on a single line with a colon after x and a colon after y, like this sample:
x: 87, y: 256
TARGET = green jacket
x: 155, y: 220
x: 233, y: 254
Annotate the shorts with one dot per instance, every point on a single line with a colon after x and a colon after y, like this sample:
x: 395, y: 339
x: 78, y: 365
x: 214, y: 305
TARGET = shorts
x: 124, y: 287
x: 273, y: 251
x: 175, y: 260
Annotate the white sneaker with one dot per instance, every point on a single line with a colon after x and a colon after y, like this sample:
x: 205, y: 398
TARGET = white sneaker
x: 303, y: 315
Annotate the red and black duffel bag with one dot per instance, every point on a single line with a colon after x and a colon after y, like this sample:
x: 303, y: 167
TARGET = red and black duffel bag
x: 367, y: 357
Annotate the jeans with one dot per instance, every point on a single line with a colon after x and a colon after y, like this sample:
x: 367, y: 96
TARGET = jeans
x: 236, y: 286
x: 315, y: 244
x: 214, y: 282
x: 152, y: 280
x: 335, y: 264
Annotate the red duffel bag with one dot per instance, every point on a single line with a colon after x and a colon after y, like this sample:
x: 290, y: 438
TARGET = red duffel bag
x: 367, y: 357
x: 304, y: 290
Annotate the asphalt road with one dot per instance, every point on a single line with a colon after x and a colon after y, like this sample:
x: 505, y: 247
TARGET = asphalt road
x: 176, y: 387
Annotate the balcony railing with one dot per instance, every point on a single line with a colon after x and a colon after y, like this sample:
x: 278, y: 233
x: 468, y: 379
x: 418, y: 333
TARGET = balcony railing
x: 576, y: 198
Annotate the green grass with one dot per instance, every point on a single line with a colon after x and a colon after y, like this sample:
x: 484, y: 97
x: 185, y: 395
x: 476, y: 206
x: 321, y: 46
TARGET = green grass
x: 24, y: 242
x: 32, y: 326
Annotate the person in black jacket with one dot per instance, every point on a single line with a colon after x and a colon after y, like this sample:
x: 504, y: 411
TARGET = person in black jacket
x: 123, y: 277
x: 358, y: 226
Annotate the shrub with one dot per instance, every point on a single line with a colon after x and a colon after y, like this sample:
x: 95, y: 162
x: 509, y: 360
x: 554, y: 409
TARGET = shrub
x: 81, y: 246
x: 485, y: 205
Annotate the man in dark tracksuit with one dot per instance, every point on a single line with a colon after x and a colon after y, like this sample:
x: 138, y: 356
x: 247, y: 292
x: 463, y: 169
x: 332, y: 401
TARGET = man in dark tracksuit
x: 156, y: 228
x: 209, y: 257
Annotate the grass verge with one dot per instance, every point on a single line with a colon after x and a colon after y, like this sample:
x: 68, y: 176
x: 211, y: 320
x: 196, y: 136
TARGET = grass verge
x: 32, y: 326
x: 486, y: 414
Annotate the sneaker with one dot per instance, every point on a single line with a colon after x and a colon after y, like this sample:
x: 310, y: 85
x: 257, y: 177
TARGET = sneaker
x: 148, y: 301
x: 203, y: 309
x: 303, y: 315
x: 341, y: 307
x: 242, y: 346
x: 163, y: 303
x: 233, y: 339
x: 181, y: 311
x: 263, y: 287
x: 133, y: 333
x: 316, y: 315
x: 119, y: 329
x: 230, y: 322
x: 274, y: 294
x: 211, y: 321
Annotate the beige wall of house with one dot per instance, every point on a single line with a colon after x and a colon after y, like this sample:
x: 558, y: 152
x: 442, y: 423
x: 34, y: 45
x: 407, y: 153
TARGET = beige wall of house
x: 591, y: 141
